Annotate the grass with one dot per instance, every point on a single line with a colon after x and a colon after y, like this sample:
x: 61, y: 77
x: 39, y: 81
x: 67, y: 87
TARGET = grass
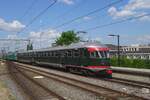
x: 5, y: 93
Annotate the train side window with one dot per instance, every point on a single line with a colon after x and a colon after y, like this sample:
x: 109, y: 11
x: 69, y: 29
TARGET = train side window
x: 44, y: 54
x: 65, y: 53
x: 35, y: 54
x: 50, y: 53
x: 76, y: 53
x: 62, y: 53
x: 38, y: 54
x: 47, y: 53
x: 69, y: 53
x: 29, y: 54
x: 56, y: 53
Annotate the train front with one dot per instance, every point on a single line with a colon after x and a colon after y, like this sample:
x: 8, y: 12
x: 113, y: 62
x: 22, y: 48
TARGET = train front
x: 99, y: 61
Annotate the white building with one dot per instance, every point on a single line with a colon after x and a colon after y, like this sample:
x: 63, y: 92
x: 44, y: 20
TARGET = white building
x: 136, y: 51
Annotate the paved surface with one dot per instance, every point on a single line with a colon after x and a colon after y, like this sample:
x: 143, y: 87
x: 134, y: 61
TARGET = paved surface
x: 142, y: 75
x: 132, y: 69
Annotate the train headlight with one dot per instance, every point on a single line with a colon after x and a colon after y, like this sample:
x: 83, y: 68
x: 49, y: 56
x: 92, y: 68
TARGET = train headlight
x: 109, y: 71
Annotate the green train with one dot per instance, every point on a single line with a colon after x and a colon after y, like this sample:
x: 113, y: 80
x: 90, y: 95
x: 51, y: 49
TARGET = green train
x: 85, y: 58
x: 10, y: 56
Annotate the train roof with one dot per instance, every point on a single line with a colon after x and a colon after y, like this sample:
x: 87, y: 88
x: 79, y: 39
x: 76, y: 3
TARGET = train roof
x: 72, y: 46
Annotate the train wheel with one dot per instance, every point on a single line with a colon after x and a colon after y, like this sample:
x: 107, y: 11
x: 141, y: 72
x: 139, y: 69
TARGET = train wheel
x: 70, y: 70
x: 90, y: 73
x: 84, y: 72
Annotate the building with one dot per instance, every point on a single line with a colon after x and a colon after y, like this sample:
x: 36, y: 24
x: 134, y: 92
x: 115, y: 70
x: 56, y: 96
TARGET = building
x: 131, y: 52
x: 136, y: 51
x: 114, y: 50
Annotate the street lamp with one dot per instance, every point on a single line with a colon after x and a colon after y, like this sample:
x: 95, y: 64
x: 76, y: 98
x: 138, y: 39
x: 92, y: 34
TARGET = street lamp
x: 118, y: 36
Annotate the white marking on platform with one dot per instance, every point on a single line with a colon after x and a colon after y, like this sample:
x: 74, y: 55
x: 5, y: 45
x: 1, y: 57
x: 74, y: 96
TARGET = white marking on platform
x: 124, y: 89
x: 2, y: 63
x: 38, y: 77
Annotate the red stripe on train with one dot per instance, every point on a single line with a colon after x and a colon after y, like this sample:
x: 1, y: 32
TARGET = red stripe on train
x: 98, y: 67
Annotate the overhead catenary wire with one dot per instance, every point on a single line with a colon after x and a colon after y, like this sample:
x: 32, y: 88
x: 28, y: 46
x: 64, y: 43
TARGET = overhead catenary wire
x: 70, y: 10
x: 90, y: 13
x: 61, y: 16
x: 117, y: 22
x: 28, y: 9
x: 36, y: 17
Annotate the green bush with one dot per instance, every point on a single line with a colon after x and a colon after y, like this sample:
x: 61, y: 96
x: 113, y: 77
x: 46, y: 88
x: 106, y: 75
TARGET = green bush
x: 132, y: 63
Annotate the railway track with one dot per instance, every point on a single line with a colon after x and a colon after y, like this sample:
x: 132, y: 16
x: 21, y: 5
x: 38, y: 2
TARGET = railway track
x: 133, y: 83
x: 107, y: 93
x: 35, y: 90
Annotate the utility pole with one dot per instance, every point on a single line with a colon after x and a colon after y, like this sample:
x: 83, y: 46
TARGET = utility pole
x: 28, y: 40
x: 118, y: 46
x: 83, y: 32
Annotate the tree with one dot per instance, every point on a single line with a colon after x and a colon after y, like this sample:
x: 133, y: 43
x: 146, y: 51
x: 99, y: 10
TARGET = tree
x: 30, y: 46
x: 67, y: 38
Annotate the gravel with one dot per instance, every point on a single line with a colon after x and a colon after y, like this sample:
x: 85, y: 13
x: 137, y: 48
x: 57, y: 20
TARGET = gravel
x: 133, y: 77
x: 13, y: 88
x: 67, y: 91
x: 108, y: 84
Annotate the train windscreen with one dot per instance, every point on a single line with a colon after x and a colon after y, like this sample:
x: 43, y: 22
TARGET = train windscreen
x: 98, y: 53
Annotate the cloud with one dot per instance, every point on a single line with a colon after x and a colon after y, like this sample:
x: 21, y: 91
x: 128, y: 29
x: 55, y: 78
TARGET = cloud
x: 143, y: 38
x: 49, y: 33
x: 132, y: 8
x: 135, y: 39
x: 43, y: 39
x: 116, y: 14
x: 68, y: 2
x: 87, y: 18
x: 12, y: 36
x: 13, y: 26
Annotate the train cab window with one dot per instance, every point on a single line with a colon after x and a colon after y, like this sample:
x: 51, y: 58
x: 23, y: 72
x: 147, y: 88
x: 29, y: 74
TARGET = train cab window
x: 104, y: 54
x: 99, y: 54
x: 94, y: 54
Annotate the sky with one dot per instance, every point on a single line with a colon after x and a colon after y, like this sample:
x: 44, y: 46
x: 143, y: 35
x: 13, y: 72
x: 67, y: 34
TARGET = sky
x: 15, y: 16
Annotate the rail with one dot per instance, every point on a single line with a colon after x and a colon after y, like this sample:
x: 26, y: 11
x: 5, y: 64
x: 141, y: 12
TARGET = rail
x: 96, y: 89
